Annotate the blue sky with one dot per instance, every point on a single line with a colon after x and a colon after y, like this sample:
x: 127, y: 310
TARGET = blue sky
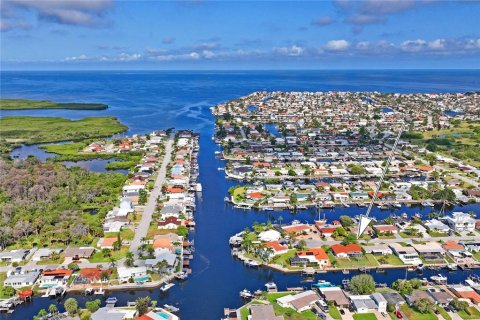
x: 342, y: 34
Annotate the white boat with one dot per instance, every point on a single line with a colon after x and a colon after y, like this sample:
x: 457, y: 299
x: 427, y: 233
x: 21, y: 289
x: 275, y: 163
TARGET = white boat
x: 182, y: 276
x: 166, y: 287
x: 220, y: 169
x: 252, y: 263
x: 111, y: 301
x: 271, y: 286
x: 246, y: 294
x: 268, y: 209
x: 439, y: 279
x: 171, y: 308
x: 198, y: 187
x: 397, y: 204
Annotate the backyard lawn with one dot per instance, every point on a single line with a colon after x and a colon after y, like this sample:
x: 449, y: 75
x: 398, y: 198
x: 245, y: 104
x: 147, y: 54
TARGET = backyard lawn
x: 409, y: 313
x: 364, y: 316
x: 284, y: 259
x: 392, y: 260
x: 334, y: 313
x: 288, y: 313
x: 116, y: 255
x: 367, y: 260
x: 470, y: 314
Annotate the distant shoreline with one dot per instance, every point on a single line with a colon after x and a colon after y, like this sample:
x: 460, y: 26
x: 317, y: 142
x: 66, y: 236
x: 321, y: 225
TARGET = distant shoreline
x: 27, y: 104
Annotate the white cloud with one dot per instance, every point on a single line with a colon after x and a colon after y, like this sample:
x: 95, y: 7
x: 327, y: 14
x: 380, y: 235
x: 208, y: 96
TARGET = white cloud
x: 337, y: 45
x: 292, y: 51
x: 438, y: 44
x: 413, y: 45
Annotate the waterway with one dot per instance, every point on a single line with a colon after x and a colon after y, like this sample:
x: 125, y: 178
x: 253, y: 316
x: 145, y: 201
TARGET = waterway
x: 146, y: 101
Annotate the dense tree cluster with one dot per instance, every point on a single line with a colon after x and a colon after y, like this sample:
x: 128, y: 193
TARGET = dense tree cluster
x: 44, y: 203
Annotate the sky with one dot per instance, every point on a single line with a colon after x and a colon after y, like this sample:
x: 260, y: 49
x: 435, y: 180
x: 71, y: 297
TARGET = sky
x: 225, y: 35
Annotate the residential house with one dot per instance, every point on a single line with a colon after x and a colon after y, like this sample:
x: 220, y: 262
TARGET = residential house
x: 417, y: 295
x: 18, y: 255
x: 79, y: 253
x: 169, y: 223
x: 440, y: 296
x: 382, y: 229
x: 465, y: 292
x: 408, y: 255
x: 436, y: 225
x: 335, y: 295
x: 55, y: 277
x: 299, y: 302
x: 263, y: 312
x: 276, y: 247
x: 379, y: 249
x: 347, y: 251
x: 21, y: 280
x: 316, y: 256
x: 460, y: 221
x: 126, y: 273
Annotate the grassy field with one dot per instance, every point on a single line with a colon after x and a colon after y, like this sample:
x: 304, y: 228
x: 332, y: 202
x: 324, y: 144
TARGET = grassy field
x: 24, y: 104
x: 470, y: 314
x: 391, y: 259
x: 367, y: 260
x: 334, y: 313
x: 284, y: 258
x: 364, y: 316
x: 460, y: 141
x: 409, y: 313
x: 31, y: 130
x: 3, y: 276
x: 98, y: 257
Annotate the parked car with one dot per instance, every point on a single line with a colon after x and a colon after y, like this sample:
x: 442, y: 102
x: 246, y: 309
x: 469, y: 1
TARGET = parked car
x: 342, y: 312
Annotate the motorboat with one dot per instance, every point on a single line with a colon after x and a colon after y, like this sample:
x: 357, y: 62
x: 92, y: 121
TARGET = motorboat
x: 166, y: 287
x: 246, y: 294
x: 252, y: 263
x: 171, y: 308
x: 439, y: 279
x: 271, y: 286
x: 111, y: 301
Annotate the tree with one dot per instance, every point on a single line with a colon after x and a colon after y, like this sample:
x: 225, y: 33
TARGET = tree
x: 402, y: 286
x: 142, y: 304
x: 142, y: 197
x: 362, y: 284
x: 52, y: 309
x: 302, y: 244
x: 73, y: 266
x: 182, y: 231
x: 129, y: 260
x: 93, y: 306
x: 8, y: 291
x: 346, y: 221
x: 71, y: 305
x: 459, y: 305
x: 424, y: 305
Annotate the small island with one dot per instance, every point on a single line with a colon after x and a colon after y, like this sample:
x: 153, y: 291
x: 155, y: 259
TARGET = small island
x: 27, y: 104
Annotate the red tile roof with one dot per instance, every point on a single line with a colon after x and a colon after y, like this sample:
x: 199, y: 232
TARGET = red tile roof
x: 319, y: 253
x: 349, y: 248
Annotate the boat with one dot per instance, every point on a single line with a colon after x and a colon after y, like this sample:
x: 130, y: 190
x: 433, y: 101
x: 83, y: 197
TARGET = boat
x: 405, y: 215
x: 439, y: 279
x: 258, y: 293
x: 167, y: 286
x: 171, y: 308
x: 99, y: 292
x: 89, y: 291
x: 252, y: 263
x: 220, y: 169
x: 268, y: 209
x: 111, y: 301
x: 397, y: 204
x: 246, y: 294
x: 181, y: 276
x: 452, y: 266
x: 345, y: 271
x: 271, y: 287
x: 198, y: 187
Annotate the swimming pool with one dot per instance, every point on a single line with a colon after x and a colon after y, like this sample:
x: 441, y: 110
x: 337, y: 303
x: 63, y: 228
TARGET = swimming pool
x: 163, y: 315
x: 142, y: 279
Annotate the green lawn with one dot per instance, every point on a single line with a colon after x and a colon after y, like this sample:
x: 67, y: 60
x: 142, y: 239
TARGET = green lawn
x: 3, y: 276
x: 367, y: 260
x: 125, y: 234
x: 409, y: 313
x: 392, y: 259
x: 98, y: 257
x: 284, y: 259
x: 24, y: 104
x: 65, y: 148
x: 24, y: 129
x: 470, y: 314
x: 444, y: 313
x: 49, y: 261
x: 334, y: 313
x: 364, y: 316
x: 244, y: 313
x: 476, y: 255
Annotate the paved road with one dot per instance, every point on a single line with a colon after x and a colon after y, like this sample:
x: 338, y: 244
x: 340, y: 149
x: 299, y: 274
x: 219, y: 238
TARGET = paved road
x: 142, y: 228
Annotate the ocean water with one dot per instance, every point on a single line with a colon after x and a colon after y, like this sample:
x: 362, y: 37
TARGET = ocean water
x: 147, y: 101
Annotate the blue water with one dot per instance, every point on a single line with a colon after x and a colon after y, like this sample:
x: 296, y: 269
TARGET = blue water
x: 152, y: 100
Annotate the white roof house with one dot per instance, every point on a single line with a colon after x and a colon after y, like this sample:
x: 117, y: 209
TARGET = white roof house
x: 125, y: 273
x: 460, y: 221
x: 22, y: 280
x: 269, y: 235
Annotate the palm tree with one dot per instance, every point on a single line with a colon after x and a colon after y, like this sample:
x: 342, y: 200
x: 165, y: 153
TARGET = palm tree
x: 53, y: 309
x: 129, y: 259
x: 247, y: 244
